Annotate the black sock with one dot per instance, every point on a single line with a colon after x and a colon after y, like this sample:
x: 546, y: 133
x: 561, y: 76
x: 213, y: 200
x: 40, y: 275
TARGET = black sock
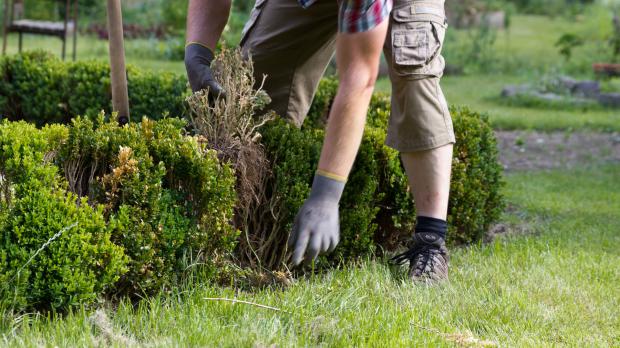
x: 433, y: 225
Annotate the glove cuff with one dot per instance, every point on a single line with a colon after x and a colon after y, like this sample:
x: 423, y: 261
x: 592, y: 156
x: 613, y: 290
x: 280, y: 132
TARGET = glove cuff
x: 326, y: 188
x: 196, y: 49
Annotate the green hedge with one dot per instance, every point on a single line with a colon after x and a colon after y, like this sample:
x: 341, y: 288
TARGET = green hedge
x: 377, y: 209
x: 475, y: 198
x: 80, y: 263
x: 164, y: 198
x: 39, y: 88
x: 152, y: 201
x: 295, y: 154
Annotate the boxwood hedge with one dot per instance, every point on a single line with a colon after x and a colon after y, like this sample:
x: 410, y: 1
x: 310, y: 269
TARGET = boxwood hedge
x: 38, y: 87
x: 148, y: 196
x: 377, y: 208
x: 475, y: 197
x: 147, y: 199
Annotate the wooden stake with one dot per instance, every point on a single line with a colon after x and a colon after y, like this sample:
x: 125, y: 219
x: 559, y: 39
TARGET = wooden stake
x: 120, y: 98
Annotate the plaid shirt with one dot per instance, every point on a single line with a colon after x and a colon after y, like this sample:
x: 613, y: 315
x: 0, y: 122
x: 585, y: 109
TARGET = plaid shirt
x: 356, y: 16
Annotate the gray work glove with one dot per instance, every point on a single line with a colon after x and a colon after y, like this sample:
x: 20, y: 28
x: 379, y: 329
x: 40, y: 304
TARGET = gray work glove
x: 198, y: 60
x: 316, y: 227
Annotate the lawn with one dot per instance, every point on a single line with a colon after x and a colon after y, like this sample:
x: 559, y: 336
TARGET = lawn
x: 481, y: 92
x: 550, y: 280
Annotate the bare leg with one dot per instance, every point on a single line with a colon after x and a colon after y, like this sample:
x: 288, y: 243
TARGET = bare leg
x: 429, y: 177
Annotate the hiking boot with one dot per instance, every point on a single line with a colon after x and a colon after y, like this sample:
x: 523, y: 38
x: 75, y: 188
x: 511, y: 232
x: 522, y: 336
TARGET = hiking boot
x: 427, y: 257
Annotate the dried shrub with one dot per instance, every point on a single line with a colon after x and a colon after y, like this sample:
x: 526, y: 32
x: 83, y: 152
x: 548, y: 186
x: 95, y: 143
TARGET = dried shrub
x: 230, y: 125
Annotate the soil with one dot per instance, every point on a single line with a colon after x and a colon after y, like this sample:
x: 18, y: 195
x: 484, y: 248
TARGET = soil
x: 533, y: 150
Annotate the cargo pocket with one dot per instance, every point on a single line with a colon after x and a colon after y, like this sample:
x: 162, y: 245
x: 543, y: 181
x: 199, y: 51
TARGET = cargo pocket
x: 417, y: 38
x: 258, y: 6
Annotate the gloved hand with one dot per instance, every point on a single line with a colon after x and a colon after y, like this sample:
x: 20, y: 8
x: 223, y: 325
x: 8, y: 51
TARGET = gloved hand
x: 198, y: 60
x: 317, y: 226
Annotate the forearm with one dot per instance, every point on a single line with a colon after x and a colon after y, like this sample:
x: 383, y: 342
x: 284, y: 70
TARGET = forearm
x: 345, y: 129
x: 206, y: 20
x: 357, y: 56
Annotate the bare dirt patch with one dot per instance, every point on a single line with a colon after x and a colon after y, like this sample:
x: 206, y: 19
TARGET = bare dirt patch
x: 532, y: 150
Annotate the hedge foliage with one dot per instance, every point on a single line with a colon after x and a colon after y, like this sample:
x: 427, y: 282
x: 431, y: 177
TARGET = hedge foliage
x: 38, y: 87
x: 81, y: 262
x: 294, y: 154
x: 378, y: 186
x: 147, y: 199
x: 377, y: 209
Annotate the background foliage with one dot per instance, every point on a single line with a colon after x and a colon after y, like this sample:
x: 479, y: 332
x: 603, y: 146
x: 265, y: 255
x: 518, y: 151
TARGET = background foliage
x: 37, y: 87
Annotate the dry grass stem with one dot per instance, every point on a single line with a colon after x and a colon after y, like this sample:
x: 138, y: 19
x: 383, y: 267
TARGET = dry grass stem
x: 234, y: 300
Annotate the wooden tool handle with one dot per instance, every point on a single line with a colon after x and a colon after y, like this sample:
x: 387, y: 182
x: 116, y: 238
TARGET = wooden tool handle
x: 120, y: 98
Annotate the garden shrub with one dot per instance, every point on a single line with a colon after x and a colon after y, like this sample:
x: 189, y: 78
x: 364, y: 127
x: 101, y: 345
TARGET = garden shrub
x: 148, y: 200
x: 475, y: 200
x: 165, y: 194
x: 32, y: 86
x: 377, y: 208
x: 322, y: 102
x: 81, y: 262
x: 38, y: 87
x: 294, y: 154
x: 75, y: 268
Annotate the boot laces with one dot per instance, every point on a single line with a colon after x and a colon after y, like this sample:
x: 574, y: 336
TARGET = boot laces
x: 420, y: 253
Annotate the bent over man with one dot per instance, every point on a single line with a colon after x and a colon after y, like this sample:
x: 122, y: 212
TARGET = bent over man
x: 292, y: 41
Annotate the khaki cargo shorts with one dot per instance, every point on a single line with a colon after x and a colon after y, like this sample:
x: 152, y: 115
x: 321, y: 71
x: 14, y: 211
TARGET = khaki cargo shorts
x: 292, y: 46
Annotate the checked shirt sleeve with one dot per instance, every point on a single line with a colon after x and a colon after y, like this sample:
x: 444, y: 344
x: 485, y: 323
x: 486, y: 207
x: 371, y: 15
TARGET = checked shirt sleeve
x: 357, y: 16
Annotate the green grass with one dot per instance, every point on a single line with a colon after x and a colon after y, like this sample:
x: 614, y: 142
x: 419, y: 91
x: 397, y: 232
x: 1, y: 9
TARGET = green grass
x: 529, y: 48
x: 481, y: 93
x: 529, y: 42
x: 555, y: 286
x: 142, y: 53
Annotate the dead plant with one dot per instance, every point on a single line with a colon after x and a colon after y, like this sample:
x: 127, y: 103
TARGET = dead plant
x: 231, y: 126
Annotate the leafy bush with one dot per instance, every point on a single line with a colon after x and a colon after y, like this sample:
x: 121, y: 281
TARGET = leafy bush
x: 55, y: 250
x: 32, y: 85
x: 75, y: 268
x: 294, y: 154
x: 38, y: 87
x: 152, y: 200
x: 165, y: 194
x: 377, y: 208
x: 322, y: 102
x: 475, y: 200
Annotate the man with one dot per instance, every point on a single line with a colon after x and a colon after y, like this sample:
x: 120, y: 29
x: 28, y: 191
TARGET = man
x: 292, y: 44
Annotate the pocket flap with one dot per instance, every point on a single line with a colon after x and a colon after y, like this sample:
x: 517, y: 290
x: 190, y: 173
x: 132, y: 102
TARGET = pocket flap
x: 419, y: 12
x: 410, y: 38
